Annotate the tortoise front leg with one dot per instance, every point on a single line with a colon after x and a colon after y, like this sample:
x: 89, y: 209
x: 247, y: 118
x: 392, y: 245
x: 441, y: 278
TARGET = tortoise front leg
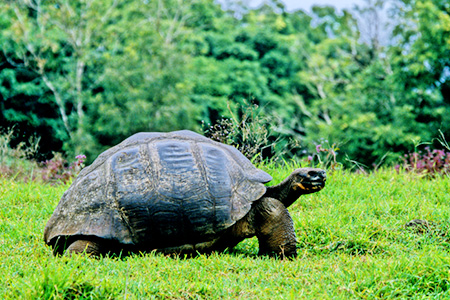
x: 274, y: 228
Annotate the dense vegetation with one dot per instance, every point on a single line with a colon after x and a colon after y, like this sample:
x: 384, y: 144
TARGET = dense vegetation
x: 353, y: 244
x: 83, y: 75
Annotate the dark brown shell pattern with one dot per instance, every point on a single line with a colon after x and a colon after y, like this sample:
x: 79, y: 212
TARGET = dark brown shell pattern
x: 158, y: 190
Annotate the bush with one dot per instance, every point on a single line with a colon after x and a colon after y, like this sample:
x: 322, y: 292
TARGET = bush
x: 58, y: 170
x: 250, y: 134
x: 430, y: 163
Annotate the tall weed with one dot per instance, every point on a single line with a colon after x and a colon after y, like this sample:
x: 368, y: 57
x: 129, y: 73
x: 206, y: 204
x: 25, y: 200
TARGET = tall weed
x: 17, y: 161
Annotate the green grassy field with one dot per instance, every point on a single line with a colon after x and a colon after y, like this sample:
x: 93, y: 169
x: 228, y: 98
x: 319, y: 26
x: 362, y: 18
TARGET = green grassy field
x: 352, y: 244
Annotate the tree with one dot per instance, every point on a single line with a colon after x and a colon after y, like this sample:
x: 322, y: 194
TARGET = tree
x: 97, y: 68
x: 377, y: 99
x: 57, y: 42
x: 422, y: 62
x: 87, y: 74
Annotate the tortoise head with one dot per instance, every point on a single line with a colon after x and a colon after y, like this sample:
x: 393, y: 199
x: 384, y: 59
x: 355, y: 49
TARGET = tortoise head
x: 308, y: 180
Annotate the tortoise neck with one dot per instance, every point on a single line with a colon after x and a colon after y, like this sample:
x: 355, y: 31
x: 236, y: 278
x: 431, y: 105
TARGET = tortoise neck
x: 284, y: 192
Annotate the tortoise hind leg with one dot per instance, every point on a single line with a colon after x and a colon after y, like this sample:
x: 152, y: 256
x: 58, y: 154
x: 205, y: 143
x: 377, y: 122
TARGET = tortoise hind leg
x: 89, y: 247
x: 274, y: 229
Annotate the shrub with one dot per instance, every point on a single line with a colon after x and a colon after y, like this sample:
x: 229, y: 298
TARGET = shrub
x: 430, y: 163
x: 58, y: 170
x: 249, y: 134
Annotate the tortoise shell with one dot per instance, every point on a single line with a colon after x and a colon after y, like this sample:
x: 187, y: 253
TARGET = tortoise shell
x: 158, y: 190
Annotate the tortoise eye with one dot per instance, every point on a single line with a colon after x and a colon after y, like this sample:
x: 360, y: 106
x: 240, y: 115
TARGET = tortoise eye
x: 317, y: 175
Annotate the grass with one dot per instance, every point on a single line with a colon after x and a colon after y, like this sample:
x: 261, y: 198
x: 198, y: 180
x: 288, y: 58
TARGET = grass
x: 352, y: 245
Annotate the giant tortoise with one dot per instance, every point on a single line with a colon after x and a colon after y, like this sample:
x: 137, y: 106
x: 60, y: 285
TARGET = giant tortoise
x: 176, y: 192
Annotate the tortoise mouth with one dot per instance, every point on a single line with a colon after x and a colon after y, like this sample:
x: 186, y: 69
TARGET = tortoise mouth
x: 312, y: 186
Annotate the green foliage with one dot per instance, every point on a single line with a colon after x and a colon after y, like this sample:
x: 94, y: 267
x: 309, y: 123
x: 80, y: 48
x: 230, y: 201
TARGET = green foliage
x: 353, y: 244
x: 367, y: 102
x: 85, y: 75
